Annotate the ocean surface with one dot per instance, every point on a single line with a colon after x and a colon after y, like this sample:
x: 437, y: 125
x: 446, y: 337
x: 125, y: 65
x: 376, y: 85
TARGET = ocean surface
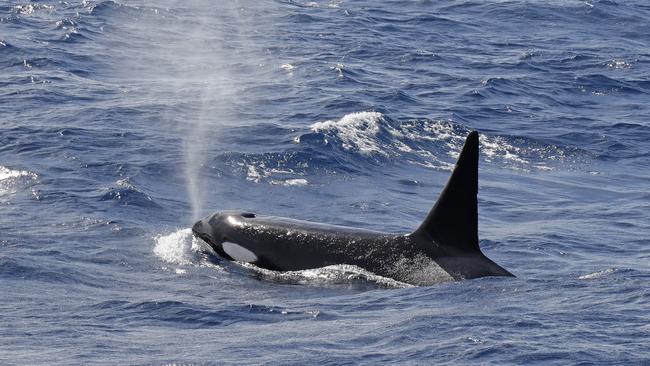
x: 122, y: 122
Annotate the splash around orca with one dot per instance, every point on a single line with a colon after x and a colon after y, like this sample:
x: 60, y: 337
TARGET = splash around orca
x: 443, y: 248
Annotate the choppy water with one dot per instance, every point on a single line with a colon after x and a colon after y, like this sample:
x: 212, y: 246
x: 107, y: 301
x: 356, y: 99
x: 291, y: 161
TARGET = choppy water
x: 123, y: 121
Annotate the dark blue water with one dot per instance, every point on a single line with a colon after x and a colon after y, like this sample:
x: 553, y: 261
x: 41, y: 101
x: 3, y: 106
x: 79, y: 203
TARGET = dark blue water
x: 123, y: 121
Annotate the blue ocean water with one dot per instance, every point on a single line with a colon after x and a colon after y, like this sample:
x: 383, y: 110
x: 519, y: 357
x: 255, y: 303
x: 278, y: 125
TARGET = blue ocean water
x: 121, y: 122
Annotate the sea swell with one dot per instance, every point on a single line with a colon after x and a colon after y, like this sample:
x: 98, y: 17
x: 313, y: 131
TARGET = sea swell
x: 360, y: 140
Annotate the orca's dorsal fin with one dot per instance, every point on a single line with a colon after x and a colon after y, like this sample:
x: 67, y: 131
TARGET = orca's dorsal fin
x: 453, y: 220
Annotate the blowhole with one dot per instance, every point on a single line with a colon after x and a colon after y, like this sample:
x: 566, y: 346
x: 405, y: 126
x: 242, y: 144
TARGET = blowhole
x: 248, y: 215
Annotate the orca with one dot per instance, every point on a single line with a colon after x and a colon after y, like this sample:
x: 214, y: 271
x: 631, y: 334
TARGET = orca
x: 445, y: 247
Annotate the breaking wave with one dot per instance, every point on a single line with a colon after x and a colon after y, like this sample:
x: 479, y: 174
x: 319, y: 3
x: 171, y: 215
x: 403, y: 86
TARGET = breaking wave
x: 12, y: 180
x: 361, y: 140
x: 127, y: 194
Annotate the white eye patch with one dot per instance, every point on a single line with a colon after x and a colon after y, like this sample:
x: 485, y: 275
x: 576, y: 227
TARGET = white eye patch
x: 238, y: 253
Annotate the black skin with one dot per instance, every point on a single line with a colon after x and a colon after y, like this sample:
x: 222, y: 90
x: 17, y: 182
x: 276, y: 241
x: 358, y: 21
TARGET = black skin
x: 283, y: 244
x: 444, y: 247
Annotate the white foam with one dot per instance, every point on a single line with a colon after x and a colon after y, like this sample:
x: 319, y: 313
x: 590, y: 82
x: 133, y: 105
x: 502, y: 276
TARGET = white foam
x: 258, y: 172
x: 591, y: 276
x: 496, y: 146
x: 179, y: 247
x: 24, y: 9
x: 253, y: 175
x: 11, y: 179
x: 296, y: 182
x: 356, y: 131
x: 338, y: 68
x: 330, y: 5
x: 434, y: 144
x: 327, y: 276
x: 6, y: 173
x: 287, y: 67
x: 359, y: 132
x: 492, y: 147
x: 619, y: 64
x: 291, y: 182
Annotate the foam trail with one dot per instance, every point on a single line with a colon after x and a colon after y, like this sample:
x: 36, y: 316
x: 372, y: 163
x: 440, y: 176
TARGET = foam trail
x: 335, y: 275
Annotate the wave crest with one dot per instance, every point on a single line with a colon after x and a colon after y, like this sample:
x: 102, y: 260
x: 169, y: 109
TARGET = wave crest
x: 356, y: 131
x: 362, y: 140
x: 433, y: 143
x: 13, y: 180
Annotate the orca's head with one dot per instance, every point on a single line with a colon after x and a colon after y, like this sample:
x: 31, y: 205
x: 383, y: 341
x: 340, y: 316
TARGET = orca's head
x: 202, y: 229
x: 223, y: 231
x: 219, y: 227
